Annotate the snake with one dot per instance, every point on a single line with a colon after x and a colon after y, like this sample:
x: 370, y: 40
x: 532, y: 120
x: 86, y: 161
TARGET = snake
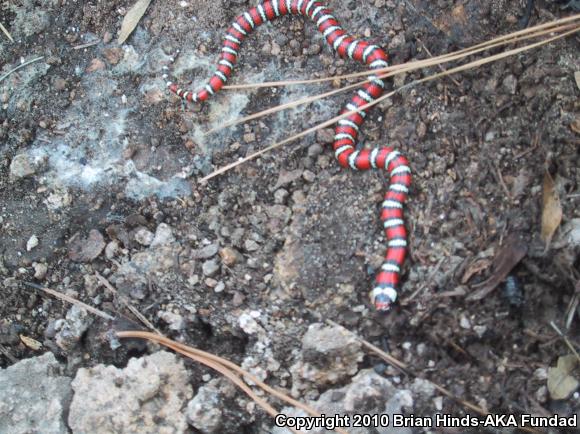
x: 384, y: 292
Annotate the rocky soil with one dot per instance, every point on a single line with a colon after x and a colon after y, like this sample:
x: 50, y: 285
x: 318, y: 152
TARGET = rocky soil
x: 99, y: 181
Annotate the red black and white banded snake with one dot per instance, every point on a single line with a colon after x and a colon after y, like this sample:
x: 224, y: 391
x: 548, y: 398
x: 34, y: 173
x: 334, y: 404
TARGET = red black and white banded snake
x: 384, y: 293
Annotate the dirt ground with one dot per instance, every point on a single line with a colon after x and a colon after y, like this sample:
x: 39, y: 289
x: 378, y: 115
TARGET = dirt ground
x: 104, y: 148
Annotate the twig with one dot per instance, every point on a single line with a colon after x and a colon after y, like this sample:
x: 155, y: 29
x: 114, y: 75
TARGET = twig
x: 565, y: 338
x: 382, y: 354
x: 535, y: 143
x: 71, y: 300
x: 21, y: 66
x: 88, y: 44
x: 124, y: 301
x: 428, y: 282
x: 502, y: 182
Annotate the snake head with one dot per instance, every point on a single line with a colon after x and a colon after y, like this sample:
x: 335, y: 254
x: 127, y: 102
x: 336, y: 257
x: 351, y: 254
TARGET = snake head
x: 383, y: 297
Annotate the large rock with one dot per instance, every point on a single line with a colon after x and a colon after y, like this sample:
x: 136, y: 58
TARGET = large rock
x: 366, y: 394
x: 145, y: 397
x: 205, y: 410
x: 34, y: 397
x: 21, y: 167
x: 329, y: 356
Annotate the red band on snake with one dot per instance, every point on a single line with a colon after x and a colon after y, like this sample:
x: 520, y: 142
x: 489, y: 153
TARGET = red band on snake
x: 384, y: 293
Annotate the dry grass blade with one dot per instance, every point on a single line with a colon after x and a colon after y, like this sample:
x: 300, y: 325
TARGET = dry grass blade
x: 88, y: 44
x: 223, y: 362
x: 36, y: 59
x: 131, y: 19
x: 71, y: 300
x: 460, y: 68
x: 6, y: 32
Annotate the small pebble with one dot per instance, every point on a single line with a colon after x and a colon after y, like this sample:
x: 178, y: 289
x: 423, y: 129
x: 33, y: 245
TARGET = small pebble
x: 95, y: 65
x: 163, y: 235
x: 40, y: 270
x: 111, y: 249
x: 210, y: 268
x: 31, y: 243
x: 173, y: 320
x: 144, y: 236
x: 211, y: 283
x: 275, y: 49
x: 464, y: 322
x: 206, y: 252
x: 229, y: 256
x: 438, y: 403
x: 280, y: 196
x: 251, y: 245
x: 219, y: 287
x: 309, y: 176
x: 21, y: 167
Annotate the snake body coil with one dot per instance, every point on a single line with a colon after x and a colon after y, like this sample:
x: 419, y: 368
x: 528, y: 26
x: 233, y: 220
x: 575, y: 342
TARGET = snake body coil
x: 384, y: 292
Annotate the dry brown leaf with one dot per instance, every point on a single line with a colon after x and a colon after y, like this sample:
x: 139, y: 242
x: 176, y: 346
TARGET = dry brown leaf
x: 513, y: 250
x: 551, y: 210
x: 33, y: 344
x: 131, y: 19
x: 560, y: 381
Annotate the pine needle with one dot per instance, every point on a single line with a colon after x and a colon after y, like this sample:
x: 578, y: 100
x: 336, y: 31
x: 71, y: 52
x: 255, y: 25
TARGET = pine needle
x: 219, y: 364
x: 381, y: 73
x: 71, y: 300
x: 6, y: 32
x: 204, y: 357
x: 22, y: 65
x: 470, y: 65
x: 521, y: 35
